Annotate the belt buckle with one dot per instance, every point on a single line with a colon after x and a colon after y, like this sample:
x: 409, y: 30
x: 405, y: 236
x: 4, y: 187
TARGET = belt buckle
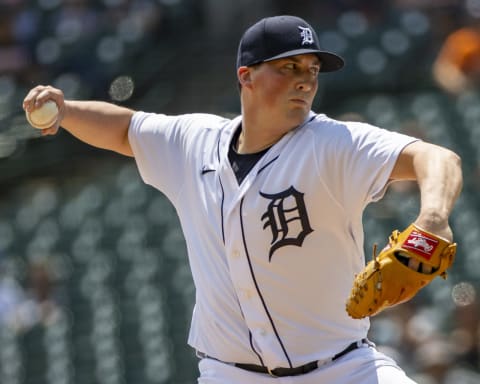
x: 270, y: 372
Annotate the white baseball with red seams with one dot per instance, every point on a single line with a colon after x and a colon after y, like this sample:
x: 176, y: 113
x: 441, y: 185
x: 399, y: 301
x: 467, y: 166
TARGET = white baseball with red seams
x: 44, y: 116
x: 273, y: 258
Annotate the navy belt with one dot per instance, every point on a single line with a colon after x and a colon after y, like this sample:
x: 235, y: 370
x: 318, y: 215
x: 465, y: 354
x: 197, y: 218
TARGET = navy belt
x: 301, y: 370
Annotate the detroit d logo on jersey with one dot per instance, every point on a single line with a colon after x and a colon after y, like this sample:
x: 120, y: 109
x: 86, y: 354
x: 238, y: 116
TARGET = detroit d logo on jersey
x: 287, y: 218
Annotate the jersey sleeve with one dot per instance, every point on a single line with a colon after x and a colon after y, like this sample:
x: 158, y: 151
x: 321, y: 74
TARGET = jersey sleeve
x: 361, y: 160
x: 152, y: 138
x: 157, y: 142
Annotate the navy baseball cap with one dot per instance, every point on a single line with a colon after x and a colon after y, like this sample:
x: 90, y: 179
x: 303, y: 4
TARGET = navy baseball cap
x: 282, y: 36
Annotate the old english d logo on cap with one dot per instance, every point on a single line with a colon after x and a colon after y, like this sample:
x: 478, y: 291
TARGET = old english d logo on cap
x: 307, y: 35
x: 282, y: 36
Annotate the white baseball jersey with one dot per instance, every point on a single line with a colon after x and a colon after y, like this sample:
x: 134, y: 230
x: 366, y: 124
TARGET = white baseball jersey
x: 273, y: 259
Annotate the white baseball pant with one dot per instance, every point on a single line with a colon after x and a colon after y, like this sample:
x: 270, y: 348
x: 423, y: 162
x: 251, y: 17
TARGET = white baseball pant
x: 364, y: 365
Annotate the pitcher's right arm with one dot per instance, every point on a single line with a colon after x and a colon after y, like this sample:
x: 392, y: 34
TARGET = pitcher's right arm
x: 100, y: 124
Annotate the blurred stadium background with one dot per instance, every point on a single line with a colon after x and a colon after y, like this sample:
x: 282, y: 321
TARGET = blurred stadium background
x: 94, y: 282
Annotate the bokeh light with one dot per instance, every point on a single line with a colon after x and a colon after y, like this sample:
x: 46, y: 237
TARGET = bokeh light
x: 463, y: 294
x: 121, y: 88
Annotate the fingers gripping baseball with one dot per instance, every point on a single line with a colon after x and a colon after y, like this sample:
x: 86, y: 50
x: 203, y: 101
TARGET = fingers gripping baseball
x: 45, y: 108
x: 411, y: 260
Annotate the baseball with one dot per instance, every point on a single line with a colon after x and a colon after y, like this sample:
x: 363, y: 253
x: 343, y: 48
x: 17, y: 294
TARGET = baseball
x: 43, y: 117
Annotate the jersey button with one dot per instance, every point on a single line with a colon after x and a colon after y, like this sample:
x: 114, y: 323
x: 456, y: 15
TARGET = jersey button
x: 236, y: 254
x: 246, y: 293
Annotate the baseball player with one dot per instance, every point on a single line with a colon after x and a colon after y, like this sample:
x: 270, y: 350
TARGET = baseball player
x: 271, y: 206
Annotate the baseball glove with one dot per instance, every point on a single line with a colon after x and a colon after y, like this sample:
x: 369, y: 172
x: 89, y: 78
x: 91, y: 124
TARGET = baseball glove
x: 388, y: 279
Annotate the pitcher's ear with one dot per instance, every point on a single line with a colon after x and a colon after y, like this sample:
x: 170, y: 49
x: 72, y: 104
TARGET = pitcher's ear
x: 244, y: 76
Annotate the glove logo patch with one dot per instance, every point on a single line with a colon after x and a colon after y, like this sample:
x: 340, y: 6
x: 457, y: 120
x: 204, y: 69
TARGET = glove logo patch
x: 421, y: 244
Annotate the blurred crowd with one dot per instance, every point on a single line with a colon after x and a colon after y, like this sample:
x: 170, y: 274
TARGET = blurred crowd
x: 437, y: 342
x: 30, y: 301
x: 43, y: 39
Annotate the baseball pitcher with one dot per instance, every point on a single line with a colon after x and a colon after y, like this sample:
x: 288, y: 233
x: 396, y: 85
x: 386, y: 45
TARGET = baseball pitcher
x: 271, y: 206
